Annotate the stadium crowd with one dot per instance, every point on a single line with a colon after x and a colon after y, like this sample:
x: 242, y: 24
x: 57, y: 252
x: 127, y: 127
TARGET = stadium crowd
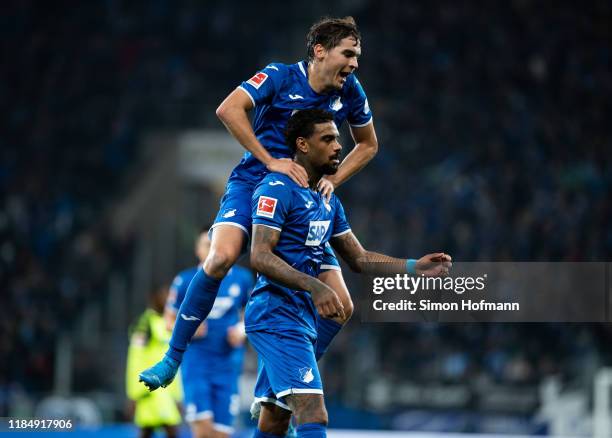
x: 494, y: 146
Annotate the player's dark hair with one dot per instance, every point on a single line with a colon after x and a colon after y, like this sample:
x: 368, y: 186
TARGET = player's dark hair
x: 329, y: 32
x: 302, y: 124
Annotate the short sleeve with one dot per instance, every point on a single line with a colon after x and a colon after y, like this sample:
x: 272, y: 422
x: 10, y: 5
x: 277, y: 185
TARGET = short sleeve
x: 341, y: 225
x: 265, y: 84
x: 359, y: 113
x: 271, y: 202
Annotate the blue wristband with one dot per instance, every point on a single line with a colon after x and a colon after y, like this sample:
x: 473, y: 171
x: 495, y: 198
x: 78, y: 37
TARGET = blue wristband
x: 411, y: 266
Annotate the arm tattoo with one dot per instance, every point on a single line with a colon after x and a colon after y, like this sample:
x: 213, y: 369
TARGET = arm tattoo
x: 272, y: 266
x: 364, y: 261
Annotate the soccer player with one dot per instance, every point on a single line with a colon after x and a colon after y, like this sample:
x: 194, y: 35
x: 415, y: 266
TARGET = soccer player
x: 148, y: 339
x: 327, y: 81
x: 291, y: 226
x: 213, y: 363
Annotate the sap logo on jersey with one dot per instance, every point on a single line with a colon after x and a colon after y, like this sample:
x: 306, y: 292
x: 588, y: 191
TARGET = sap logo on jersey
x: 257, y: 80
x: 316, y: 232
x: 266, y: 206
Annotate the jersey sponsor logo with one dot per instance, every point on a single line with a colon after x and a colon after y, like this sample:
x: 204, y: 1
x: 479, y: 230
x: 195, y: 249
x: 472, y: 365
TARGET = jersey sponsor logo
x: 306, y: 375
x: 230, y: 213
x: 276, y: 183
x: 258, y: 79
x: 336, y: 104
x: 316, y: 232
x: 266, y: 206
x: 295, y: 96
x: 189, y: 318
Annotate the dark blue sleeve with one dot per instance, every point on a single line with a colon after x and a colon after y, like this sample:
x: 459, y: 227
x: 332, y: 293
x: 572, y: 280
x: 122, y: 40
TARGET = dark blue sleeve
x: 271, y: 203
x: 265, y: 84
x: 359, y: 112
x: 341, y: 225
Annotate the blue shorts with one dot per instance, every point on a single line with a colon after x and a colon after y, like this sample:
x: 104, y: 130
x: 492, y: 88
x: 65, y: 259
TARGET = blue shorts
x: 211, y: 397
x: 287, y: 365
x: 235, y: 210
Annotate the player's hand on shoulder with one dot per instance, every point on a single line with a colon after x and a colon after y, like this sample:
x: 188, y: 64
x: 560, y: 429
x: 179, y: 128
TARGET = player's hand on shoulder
x: 326, y: 301
x: 434, y: 265
x: 290, y: 168
x: 236, y: 335
x: 326, y: 187
x: 201, y: 331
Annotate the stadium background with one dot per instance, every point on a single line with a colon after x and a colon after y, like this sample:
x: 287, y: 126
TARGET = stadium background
x: 494, y: 145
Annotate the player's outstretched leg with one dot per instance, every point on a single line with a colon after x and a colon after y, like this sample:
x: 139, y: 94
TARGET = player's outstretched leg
x: 327, y: 329
x: 226, y: 245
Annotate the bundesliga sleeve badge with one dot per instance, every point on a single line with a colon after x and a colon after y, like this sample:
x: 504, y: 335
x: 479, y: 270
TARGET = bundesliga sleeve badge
x: 266, y: 206
x: 257, y: 80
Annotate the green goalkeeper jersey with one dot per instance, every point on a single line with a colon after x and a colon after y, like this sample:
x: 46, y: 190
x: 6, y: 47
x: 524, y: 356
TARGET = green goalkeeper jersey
x: 148, y: 343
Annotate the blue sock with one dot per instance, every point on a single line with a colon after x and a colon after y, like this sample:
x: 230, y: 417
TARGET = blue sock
x: 327, y: 329
x: 312, y: 430
x: 260, y: 434
x: 196, y: 306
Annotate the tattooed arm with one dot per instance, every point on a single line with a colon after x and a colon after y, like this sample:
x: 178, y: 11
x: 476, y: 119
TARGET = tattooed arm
x: 272, y: 266
x: 368, y: 262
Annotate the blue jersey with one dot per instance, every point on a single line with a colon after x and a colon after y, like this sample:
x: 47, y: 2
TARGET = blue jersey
x: 277, y: 92
x: 306, y: 222
x: 212, y: 352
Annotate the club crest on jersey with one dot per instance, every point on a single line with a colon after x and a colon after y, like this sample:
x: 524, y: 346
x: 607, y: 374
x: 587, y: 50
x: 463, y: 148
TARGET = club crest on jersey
x: 316, y: 232
x: 336, y: 104
x: 266, y: 206
x: 258, y: 79
x: 306, y: 375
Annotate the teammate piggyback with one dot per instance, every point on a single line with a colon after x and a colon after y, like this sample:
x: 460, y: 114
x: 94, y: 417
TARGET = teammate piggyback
x: 325, y: 81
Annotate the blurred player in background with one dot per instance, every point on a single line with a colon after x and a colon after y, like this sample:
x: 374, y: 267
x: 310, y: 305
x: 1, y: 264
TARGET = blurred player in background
x: 325, y: 80
x: 212, y: 365
x: 291, y: 227
x: 148, y: 339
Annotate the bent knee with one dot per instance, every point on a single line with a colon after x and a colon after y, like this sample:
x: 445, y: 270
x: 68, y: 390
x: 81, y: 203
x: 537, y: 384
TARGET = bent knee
x: 220, y: 260
x: 309, y: 409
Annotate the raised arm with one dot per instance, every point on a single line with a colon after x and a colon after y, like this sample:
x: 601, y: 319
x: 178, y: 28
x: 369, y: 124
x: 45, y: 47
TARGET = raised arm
x: 272, y: 266
x: 368, y: 262
x: 366, y: 147
x: 233, y: 112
